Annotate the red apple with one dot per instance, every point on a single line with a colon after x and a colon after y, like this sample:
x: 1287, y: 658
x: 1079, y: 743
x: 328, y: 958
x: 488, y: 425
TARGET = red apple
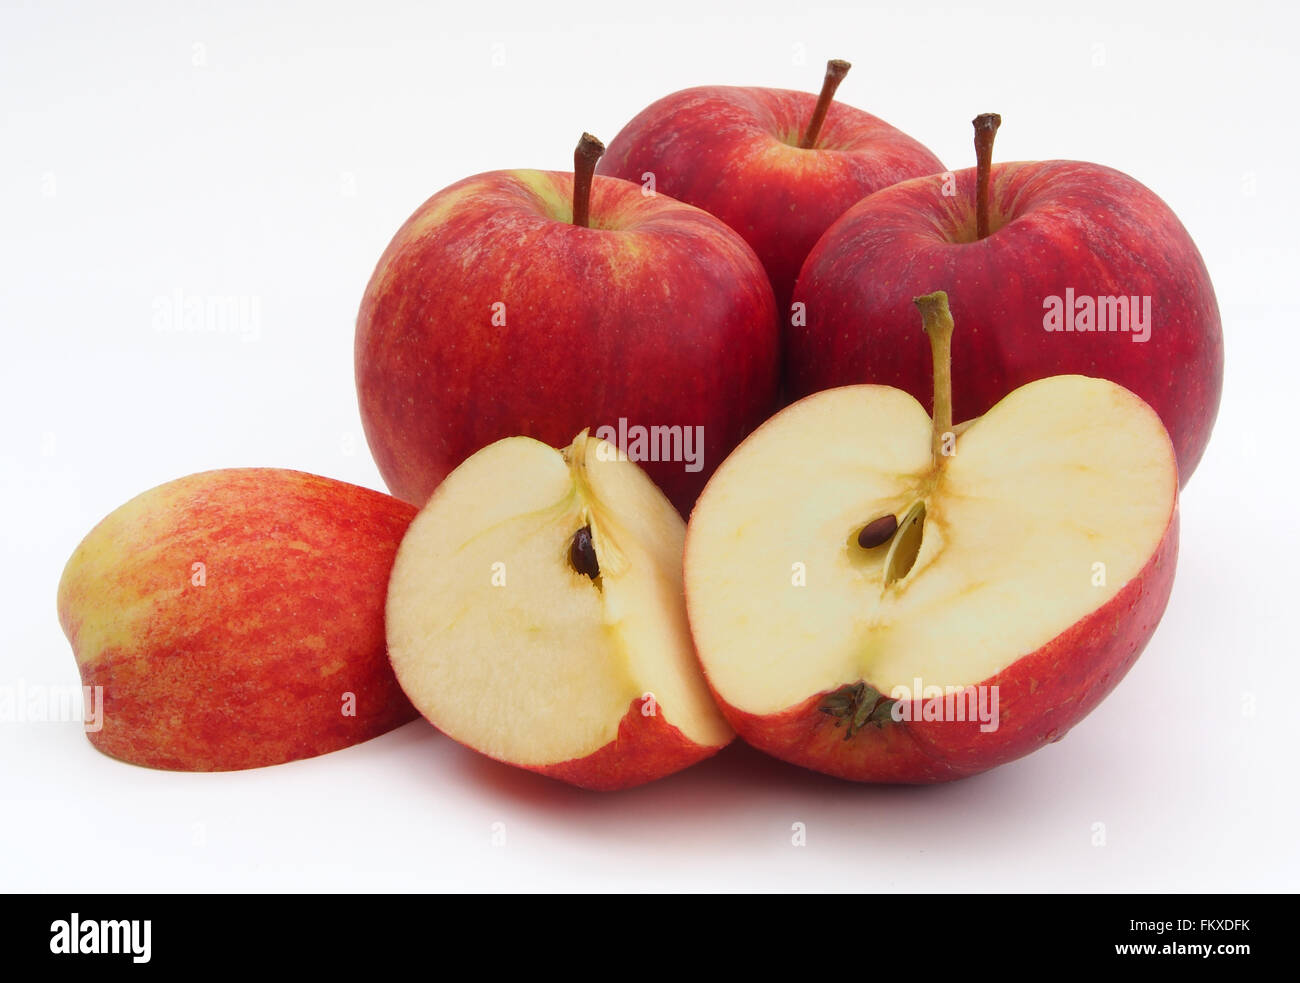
x: 235, y: 619
x: 1067, y: 244
x: 883, y: 597
x: 777, y: 166
x: 503, y: 308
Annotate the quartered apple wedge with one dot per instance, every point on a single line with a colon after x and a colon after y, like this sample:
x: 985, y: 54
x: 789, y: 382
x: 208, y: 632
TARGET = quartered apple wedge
x: 535, y: 614
x: 859, y: 576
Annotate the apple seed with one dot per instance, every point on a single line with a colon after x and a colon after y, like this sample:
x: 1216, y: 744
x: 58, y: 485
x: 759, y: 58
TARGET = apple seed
x: 907, y: 544
x: 582, y: 554
x: 877, y: 532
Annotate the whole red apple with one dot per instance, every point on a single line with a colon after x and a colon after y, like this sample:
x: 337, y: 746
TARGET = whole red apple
x: 1081, y: 269
x: 778, y: 166
x: 528, y: 303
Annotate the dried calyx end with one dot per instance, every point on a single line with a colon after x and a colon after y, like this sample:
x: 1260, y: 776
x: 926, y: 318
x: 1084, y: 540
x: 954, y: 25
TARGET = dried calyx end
x: 857, y: 706
x: 585, y: 155
x: 877, y: 532
x: 836, y: 69
x: 582, y: 554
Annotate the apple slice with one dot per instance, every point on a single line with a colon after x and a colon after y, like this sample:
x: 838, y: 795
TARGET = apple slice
x: 535, y: 614
x: 858, y: 575
x: 235, y: 619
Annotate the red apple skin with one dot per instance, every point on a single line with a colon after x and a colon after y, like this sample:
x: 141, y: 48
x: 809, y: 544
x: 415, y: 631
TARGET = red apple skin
x: 734, y: 152
x: 250, y: 668
x: 1062, y: 224
x: 646, y: 749
x: 659, y: 314
x: 1040, y: 697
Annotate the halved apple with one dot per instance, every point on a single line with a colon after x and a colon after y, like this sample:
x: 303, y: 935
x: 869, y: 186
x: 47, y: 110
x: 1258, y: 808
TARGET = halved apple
x: 535, y: 614
x: 859, y: 576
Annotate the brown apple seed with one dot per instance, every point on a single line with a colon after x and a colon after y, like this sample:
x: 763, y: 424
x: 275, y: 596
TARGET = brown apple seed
x: 877, y: 532
x: 582, y: 554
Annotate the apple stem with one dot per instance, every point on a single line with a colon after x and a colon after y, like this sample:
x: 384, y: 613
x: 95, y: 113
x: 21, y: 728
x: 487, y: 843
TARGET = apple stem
x: 936, y: 318
x: 986, y: 128
x: 836, y: 69
x: 585, y: 156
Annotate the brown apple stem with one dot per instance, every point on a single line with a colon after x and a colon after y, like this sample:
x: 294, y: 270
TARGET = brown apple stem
x: 937, y: 321
x: 585, y: 156
x: 836, y: 69
x: 986, y: 128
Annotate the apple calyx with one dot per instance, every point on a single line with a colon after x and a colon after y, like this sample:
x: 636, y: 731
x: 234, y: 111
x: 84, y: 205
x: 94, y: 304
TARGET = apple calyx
x: 585, y: 155
x: 836, y: 69
x: 858, y: 704
x: 986, y: 128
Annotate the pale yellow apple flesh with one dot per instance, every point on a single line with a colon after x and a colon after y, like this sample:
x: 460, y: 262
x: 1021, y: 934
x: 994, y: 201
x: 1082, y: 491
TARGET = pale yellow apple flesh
x: 506, y: 647
x: 1051, y: 503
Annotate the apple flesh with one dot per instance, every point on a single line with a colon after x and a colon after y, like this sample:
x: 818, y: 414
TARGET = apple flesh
x: 492, y: 315
x: 1061, y: 231
x: 1030, y: 566
x: 234, y: 619
x: 535, y: 614
x: 735, y: 152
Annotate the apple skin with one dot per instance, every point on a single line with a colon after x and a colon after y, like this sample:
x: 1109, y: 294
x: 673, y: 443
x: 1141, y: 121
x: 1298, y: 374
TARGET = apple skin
x: 1040, y: 696
x: 250, y: 668
x: 644, y: 750
x: 734, y: 152
x: 658, y: 313
x: 1066, y: 225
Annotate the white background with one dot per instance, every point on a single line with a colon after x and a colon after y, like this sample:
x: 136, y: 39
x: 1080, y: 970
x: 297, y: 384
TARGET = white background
x: 270, y: 154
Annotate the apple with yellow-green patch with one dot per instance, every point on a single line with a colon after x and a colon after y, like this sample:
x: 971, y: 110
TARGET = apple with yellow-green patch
x: 235, y: 619
x: 539, y: 303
